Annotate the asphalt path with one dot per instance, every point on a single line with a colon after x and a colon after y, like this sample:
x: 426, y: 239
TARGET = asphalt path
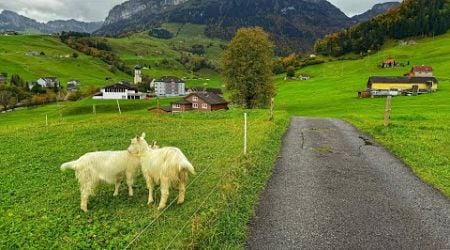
x: 335, y: 188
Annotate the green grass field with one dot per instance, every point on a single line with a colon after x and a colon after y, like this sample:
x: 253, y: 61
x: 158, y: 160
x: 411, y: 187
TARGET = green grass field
x: 57, y: 61
x: 146, y: 50
x: 39, y: 204
x: 420, y: 129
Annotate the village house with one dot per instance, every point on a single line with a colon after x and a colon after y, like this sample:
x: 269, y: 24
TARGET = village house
x: 121, y: 90
x: 388, y: 63
x: 48, y: 82
x: 420, y: 71
x: 393, y: 85
x: 32, y: 53
x: 304, y: 77
x: 72, y: 85
x: 169, y: 86
x: 9, y: 33
x: 196, y: 101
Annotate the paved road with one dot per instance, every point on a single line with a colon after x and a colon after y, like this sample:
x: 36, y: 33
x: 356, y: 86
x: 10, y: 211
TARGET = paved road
x: 334, y: 188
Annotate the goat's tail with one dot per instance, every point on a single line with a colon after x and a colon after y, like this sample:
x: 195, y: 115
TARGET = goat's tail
x: 185, y: 164
x: 69, y: 165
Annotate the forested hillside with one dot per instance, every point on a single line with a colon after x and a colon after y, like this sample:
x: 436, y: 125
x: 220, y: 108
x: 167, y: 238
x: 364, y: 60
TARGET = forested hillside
x: 411, y: 18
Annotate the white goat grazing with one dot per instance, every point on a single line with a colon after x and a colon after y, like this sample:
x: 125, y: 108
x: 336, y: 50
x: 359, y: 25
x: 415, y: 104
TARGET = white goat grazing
x: 107, y: 166
x: 167, y: 166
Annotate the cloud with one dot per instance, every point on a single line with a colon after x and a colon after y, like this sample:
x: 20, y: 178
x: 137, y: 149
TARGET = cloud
x: 47, y: 10
x: 354, y: 7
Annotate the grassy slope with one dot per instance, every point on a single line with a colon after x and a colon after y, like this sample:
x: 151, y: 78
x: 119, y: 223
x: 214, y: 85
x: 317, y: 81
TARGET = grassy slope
x: 143, y: 49
x: 88, y: 70
x: 420, y: 130
x: 39, y: 204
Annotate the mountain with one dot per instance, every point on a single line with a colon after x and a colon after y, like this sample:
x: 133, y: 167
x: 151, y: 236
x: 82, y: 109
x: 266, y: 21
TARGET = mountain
x: 10, y: 20
x: 411, y: 18
x: 136, y: 15
x: 294, y: 25
x: 376, y: 10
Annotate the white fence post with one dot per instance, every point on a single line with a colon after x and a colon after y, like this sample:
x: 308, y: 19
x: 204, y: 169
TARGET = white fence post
x: 245, y: 133
x: 46, y: 120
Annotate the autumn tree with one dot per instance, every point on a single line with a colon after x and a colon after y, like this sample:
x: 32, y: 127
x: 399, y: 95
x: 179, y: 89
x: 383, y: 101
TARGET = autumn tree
x: 247, y: 68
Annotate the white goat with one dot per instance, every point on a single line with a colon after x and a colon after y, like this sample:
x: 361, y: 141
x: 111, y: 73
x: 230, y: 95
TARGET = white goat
x: 107, y: 166
x: 167, y: 166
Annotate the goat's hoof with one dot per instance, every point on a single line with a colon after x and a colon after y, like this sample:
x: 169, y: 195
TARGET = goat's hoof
x: 149, y: 202
x: 161, y: 207
x: 84, y: 209
x: 180, y: 202
x: 115, y: 194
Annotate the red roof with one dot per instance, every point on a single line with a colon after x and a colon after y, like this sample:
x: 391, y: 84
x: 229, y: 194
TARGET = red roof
x: 422, y: 69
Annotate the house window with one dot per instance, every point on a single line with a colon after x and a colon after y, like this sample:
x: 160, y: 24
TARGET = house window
x: 204, y: 106
x: 195, y: 99
x: 195, y: 105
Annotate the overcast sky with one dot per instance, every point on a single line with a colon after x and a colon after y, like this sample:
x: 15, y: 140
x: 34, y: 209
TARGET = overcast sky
x: 97, y: 10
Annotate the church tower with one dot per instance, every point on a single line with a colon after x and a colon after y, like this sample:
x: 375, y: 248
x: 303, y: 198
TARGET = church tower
x: 137, y: 74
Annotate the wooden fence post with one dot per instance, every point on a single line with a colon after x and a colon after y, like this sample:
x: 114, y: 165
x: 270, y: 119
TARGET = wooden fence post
x: 118, y: 106
x: 387, y: 112
x: 245, y: 133
x: 272, y: 100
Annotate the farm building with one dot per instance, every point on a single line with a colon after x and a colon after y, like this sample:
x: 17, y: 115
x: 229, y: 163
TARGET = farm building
x: 48, y: 82
x: 196, y: 101
x: 169, y: 86
x: 388, y: 63
x: 123, y: 91
x: 72, y: 85
x: 420, y: 71
x: 388, y: 85
x: 200, y: 101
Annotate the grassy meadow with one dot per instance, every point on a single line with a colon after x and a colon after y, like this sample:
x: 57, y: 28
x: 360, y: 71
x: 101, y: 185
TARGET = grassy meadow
x: 420, y: 125
x: 39, y: 204
x: 57, y: 61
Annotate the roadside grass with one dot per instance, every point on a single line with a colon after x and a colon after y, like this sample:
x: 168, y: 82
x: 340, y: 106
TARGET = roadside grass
x: 57, y: 61
x: 39, y: 204
x: 420, y: 126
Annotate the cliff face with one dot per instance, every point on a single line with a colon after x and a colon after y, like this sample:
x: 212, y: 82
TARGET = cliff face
x: 134, y: 14
x: 293, y: 24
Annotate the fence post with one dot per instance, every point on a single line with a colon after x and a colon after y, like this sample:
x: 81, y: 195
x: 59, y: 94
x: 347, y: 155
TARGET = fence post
x: 272, y: 100
x: 94, y: 110
x: 46, y: 120
x: 118, y: 106
x: 245, y: 133
x: 387, y: 112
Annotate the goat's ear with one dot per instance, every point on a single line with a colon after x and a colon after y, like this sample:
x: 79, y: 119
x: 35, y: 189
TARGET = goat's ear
x: 153, y: 144
x: 143, y: 136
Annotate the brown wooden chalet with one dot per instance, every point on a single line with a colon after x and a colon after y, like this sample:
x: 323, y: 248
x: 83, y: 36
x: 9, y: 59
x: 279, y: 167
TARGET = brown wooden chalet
x: 197, y: 101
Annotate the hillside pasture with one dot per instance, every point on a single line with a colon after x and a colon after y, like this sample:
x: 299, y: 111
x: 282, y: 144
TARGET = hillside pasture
x: 57, y: 60
x: 39, y: 206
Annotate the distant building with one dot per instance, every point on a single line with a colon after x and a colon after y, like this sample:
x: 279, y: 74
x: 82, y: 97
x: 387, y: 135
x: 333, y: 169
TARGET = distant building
x: 420, y: 71
x: 137, y: 74
x: 382, y: 85
x: 169, y: 86
x: 389, y: 63
x: 304, y: 77
x: 32, y: 53
x: 9, y: 33
x: 122, y: 91
x: 72, y: 85
x: 216, y: 91
x: 48, y: 82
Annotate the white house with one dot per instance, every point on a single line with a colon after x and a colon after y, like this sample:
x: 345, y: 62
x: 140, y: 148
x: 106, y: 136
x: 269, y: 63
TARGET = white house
x: 48, y: 82
x: 169, y: 86
x: 123, y: 91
